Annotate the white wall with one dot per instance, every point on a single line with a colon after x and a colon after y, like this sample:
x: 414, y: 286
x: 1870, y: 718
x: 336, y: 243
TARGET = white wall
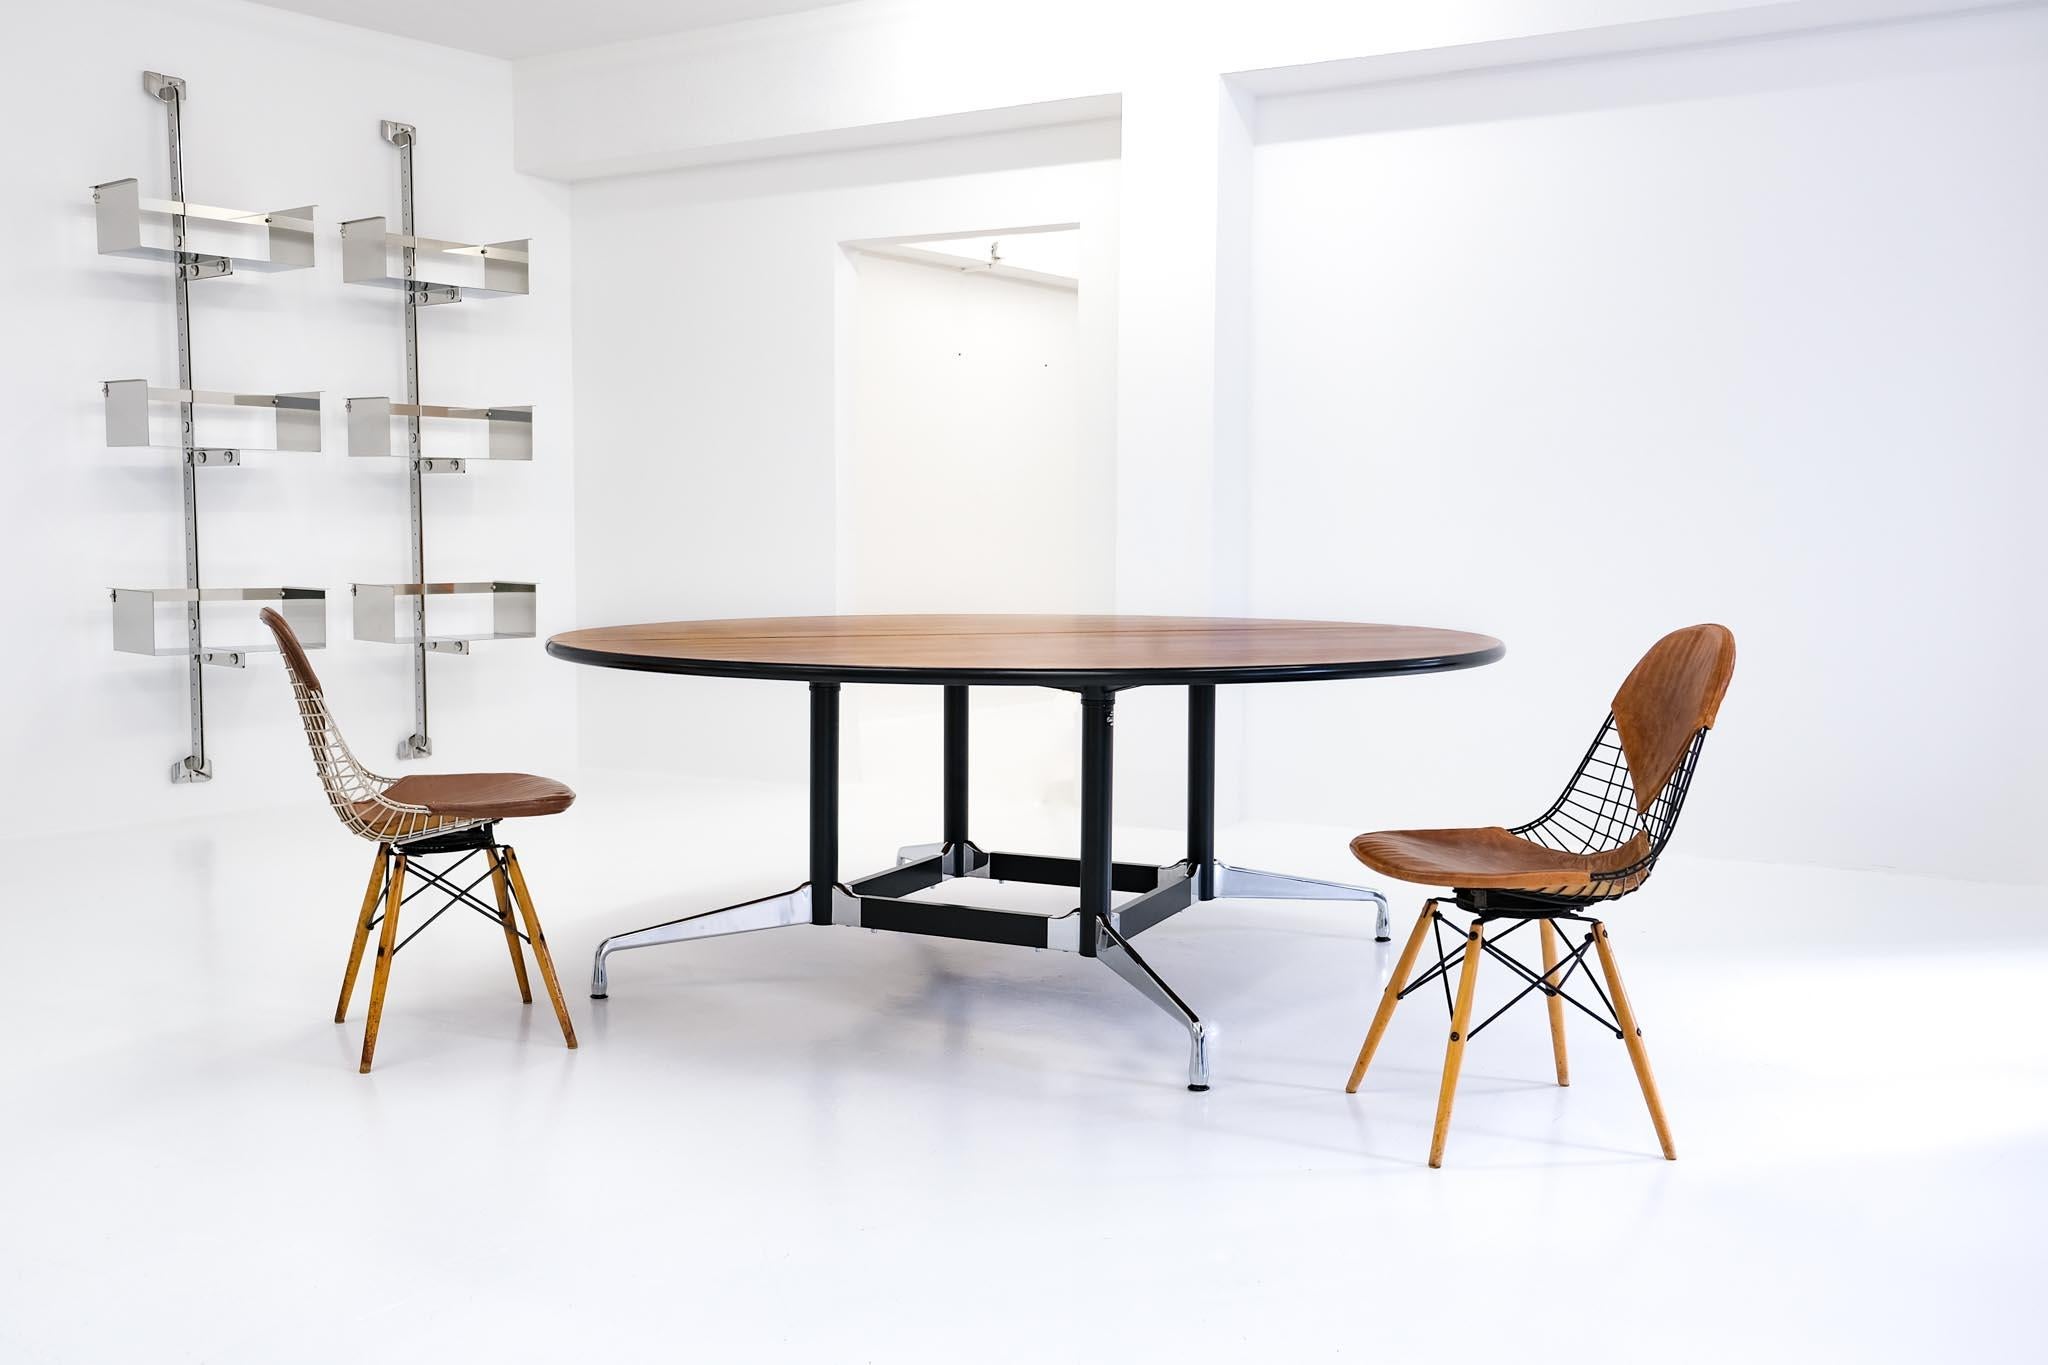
x: 1578, y: 353
x: 716, y: 323
x: 1376, y: 348
x: 282, y: 110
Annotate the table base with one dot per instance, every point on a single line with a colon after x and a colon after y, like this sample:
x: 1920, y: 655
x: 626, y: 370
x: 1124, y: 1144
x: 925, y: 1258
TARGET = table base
x: 1094, y: 928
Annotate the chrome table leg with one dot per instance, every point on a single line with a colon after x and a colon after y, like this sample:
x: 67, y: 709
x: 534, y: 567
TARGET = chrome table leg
x: 1116, y: 953
x: 1216, y: 880
x: 769, y: 912
x: 1241, y: 883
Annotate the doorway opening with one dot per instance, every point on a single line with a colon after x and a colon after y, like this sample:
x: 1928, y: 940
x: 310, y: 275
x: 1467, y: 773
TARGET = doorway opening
x: 975, y: 473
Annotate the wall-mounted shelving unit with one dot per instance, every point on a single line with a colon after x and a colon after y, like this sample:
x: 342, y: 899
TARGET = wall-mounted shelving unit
x: 122, y: 217
x: 179, y: 233
x: 297, y: 418
x: 509, y: 431
x: 378, y: 605
x: 429, y: 271
x: 136, y: 621
x: 436, y: 271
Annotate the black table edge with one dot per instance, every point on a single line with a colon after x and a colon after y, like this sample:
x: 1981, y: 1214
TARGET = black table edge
x: 1069, y: 679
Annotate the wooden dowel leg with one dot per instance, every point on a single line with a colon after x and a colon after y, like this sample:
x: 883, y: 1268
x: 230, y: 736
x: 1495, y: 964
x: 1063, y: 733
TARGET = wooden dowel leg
x: 387, y: 945
x: 539, y: 943
x: 1556, y: 1002
x: 355, y: 951
x: 1454, y: 1052
x: 511, y: 926
x: 1632, y: 1035
x: 1391, y: 997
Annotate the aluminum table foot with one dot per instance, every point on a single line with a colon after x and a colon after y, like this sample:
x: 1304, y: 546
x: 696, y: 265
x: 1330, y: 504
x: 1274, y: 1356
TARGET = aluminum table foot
x: 769, y: 912
x: 1242, y: 883
x: 1115, y: 952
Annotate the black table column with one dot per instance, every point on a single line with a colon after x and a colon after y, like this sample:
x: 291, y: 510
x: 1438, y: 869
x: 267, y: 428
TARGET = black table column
x: 955, y: 827
x: 1202, y: 788
x: 1098, y: 707
x: 824, y: 798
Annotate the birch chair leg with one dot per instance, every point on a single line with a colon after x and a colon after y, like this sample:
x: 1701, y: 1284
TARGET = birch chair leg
x: 1556, y: 1002
x: 355, y: 952
x: 1391, y: 997
x: 539, y: 943
x: 1633, y: 1037
x: 1454, y: 1052
x: 387, y: 945
x: 511, y: 926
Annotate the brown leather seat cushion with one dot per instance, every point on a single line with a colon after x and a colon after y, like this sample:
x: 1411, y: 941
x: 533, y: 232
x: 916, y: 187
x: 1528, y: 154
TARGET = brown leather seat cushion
x: 482, y: 796
x: 1487, y: 859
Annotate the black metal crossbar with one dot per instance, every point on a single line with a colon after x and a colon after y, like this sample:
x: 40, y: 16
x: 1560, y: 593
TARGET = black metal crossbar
x: 1534, y: 981
x: 456, y: 895
x: 1443, y: 963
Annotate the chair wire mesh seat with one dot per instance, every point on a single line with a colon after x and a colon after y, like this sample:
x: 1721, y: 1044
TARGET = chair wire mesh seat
x: 426, y: 815
x: 1599, y: 841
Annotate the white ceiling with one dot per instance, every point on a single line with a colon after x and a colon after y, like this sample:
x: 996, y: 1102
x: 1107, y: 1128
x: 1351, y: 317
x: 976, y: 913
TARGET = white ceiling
x: 531, y: 28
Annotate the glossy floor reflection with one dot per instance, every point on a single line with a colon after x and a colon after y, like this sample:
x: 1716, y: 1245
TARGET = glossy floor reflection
x: 829, y: 1145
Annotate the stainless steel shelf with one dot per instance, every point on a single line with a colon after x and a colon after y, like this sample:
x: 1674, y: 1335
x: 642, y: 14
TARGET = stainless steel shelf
x: 510, y: 431
x: 513, y: 613
x: 135, y: 620
x: 440, y: 271
x: 297, y: 418
x: 128, y: 226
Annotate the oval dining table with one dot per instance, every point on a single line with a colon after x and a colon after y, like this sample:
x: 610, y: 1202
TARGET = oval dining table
x: 1093, y: 656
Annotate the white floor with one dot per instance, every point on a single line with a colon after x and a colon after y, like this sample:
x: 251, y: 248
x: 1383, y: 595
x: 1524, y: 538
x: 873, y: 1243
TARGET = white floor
x: 824, y: 1145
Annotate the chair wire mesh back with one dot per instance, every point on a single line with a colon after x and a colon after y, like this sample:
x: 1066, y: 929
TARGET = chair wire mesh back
x: 356, y: 793
x: 1598, y: 817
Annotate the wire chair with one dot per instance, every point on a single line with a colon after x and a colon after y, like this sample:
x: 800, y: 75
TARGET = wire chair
x: 1599, y: 841
x: 413, y: 818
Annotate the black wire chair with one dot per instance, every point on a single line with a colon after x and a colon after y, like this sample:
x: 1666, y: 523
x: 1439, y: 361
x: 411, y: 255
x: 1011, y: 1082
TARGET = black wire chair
x: 1599, y: 841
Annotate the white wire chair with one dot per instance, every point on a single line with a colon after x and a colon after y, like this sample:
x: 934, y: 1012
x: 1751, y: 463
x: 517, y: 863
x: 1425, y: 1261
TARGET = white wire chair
x: 407, y: 831
x: 357, y: 794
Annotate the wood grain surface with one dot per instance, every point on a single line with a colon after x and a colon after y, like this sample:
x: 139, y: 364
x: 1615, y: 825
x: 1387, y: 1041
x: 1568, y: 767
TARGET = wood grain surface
x: 1042, y: 650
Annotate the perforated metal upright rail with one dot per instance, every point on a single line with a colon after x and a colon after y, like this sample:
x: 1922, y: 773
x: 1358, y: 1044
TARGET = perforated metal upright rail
x: 195, y: 767
x: 418, y: 743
